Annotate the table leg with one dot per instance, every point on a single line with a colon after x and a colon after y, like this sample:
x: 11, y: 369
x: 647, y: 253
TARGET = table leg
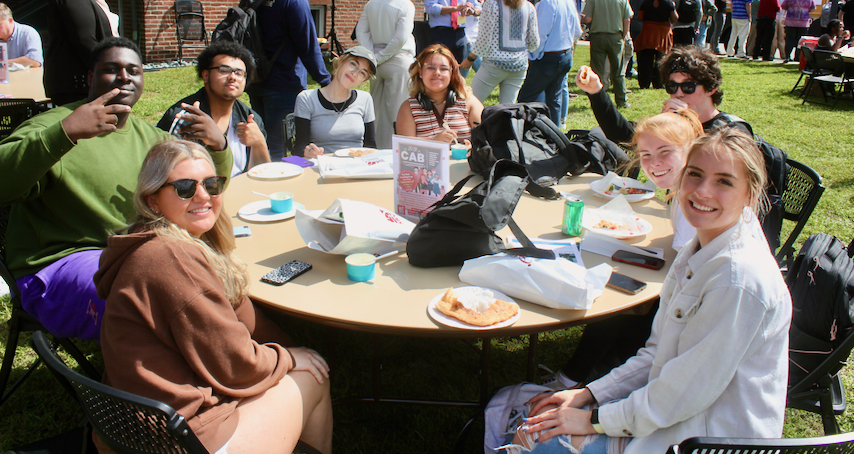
x: 485, y: 349
x: 533, y: 341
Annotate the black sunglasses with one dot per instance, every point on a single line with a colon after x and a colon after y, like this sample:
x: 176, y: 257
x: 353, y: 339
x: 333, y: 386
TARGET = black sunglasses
x: 186, y: 188
x: 687, y: 87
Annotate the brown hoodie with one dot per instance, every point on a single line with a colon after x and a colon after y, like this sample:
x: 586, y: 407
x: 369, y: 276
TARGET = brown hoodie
x: 169, y: 333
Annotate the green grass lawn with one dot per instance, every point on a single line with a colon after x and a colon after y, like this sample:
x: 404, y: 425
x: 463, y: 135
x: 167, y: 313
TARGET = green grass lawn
x: 757, y: 92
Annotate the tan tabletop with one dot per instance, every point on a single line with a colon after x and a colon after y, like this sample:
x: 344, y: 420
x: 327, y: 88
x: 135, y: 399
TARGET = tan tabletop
x: 26, y: 84
x: 395, y: 302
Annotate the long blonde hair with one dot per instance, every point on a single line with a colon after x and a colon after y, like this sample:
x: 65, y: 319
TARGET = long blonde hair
x: 217, y: 244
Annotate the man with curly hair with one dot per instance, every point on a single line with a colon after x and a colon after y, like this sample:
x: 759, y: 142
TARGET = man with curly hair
x: 224, y: 67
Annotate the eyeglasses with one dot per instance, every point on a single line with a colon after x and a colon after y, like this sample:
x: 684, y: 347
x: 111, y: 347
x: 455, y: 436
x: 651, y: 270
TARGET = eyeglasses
x: 438, y: 69
x: 186, y: 188
x: 354, y: 67
x: 225, y: 70
x: 687, y: 87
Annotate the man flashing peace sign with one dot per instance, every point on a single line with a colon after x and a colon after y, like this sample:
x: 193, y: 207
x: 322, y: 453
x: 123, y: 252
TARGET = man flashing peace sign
x: 69, y: 175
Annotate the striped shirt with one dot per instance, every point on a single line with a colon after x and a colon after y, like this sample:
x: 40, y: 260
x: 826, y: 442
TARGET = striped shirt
x: 427, y: 125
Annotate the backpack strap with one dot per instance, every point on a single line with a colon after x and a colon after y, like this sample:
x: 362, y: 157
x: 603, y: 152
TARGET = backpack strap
x: 528, y: 249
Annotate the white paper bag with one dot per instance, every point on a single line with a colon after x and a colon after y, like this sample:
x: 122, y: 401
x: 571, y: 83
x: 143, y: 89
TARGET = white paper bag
x: 559, y: 283
x: 351, y: 226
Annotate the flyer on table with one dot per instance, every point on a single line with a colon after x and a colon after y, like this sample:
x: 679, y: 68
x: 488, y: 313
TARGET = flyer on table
x: 421, y: 174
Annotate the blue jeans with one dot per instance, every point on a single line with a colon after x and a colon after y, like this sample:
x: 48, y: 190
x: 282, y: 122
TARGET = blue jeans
x: 547, y: 76
x: 273, y: 107
x: 475, y: 65
x: 564, y: 100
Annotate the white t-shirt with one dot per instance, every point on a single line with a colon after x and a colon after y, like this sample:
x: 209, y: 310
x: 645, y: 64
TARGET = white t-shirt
x: 238, y: 150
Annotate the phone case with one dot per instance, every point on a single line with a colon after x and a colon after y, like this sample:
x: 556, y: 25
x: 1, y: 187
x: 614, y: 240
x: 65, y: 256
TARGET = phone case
x: 286, y: 272
x: 658, y: 266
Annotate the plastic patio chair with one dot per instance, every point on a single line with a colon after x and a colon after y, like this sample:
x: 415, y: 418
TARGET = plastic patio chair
x: 835, y: 444
x: 289, y: 132
x: 810, y: 70
x: 803, y: 190
x: 836, y: 77
x: 126, y: 422
x: 190, y: 25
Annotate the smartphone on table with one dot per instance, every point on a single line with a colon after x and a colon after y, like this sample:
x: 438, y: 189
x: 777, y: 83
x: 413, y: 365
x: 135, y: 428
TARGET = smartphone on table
x: 632, y: 258
x: 286, y: 272
x: 625, y: 284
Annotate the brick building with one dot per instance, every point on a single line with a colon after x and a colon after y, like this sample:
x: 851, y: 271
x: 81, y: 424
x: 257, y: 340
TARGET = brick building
x: 151, y: 23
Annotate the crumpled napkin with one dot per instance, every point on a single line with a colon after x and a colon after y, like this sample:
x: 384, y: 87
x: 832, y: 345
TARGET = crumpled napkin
x: 618, y: 217
x: 619, y: 182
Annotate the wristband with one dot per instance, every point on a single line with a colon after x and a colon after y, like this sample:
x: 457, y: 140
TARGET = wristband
x: 471, y: 59
x: 594, y: 420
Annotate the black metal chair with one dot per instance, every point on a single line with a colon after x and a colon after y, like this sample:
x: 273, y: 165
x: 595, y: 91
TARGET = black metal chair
x: 13, y: 112
x: 810, y: 70
x: 835, y: 444
x: 289, y: 132
x: 803, y: 190
x: 22, y: 322
x: 126, y: 422
x: 190, y: 25
x: 836, y: 77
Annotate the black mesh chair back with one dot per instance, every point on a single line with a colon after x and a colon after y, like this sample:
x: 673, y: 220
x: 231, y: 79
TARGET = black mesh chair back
x: 810, y: 70
x: 13, y: 112
x: 835, y: 77
x: 803, y: 190
x: 835, y: 444
x: 190, y: 25
x: 127, y: 423
x: 289, y: 132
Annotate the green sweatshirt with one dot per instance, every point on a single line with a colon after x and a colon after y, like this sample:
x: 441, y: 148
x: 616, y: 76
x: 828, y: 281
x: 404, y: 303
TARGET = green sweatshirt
x: 67, y: 198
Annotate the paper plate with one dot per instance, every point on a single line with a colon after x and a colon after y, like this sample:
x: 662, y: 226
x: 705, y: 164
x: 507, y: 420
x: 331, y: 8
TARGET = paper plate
x: 260, y: 212
x: 345, y: 152
x: 437, y: 315
x: 272, y: 171
x: 644, y: 227
x: 599, y: 189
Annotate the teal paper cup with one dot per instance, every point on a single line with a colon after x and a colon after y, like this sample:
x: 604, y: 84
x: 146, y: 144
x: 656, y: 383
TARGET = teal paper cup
x: 459, y: 151
x: 360, y: 267
x: 282, y: 202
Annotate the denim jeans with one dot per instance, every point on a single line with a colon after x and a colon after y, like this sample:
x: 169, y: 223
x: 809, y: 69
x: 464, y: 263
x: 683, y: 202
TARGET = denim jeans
x: 546, y: 76
x: 717, y: 29
x: 475, y: 65
x: 273, y: 107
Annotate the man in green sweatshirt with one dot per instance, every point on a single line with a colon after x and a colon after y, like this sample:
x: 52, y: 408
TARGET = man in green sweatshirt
x: 69, y: 174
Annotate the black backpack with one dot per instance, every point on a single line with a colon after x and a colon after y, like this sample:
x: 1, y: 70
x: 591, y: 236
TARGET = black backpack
x: 821, y: 281
x: 685, y: 10
x: 240, y: 26
x: 522, y: 133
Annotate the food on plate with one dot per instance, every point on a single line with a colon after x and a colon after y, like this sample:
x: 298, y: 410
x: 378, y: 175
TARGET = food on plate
x: 612, y: 189
x: 584, y: 74
x: 606, y: 224
x: 480, y: 308
x: 360, y: 152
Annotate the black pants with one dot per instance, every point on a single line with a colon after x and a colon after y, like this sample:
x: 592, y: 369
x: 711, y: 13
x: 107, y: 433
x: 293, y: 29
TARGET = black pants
x: 648, y: 68
x: 764, y: 37
x: 683, y: 36
x: 607, y: 344
x: 453, y: 39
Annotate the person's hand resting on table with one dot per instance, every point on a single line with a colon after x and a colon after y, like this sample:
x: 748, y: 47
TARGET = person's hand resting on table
x: 312, y: 151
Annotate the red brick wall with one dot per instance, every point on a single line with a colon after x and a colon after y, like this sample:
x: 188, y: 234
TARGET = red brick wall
x: 156, y: 23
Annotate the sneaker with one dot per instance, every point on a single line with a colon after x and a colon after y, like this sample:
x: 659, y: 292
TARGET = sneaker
x: 624, y: 105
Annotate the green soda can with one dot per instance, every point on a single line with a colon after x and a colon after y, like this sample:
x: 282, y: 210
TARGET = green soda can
x: 572, y: 210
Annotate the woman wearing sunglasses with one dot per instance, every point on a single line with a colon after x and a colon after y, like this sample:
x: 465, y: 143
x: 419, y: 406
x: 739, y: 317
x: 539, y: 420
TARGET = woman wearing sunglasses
x: 337, y: 116
x: 179, y: 326
x: 440, y: 107
x: 692, y: 78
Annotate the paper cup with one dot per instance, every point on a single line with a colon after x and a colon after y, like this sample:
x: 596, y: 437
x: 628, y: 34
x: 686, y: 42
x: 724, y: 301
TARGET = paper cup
x: 360, y: 267
x: 282, y: 202
x: 459, y: 151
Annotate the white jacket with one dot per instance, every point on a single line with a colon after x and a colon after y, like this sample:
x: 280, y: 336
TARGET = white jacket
x: 716, y: 362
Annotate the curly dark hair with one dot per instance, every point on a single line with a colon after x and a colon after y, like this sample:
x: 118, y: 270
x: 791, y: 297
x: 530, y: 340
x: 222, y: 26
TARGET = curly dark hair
x: 700, y: 65
x: 230, y: 48
x: 109, y: 43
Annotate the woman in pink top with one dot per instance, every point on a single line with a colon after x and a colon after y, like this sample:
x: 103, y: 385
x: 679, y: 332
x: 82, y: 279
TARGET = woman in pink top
x: 797, y: 24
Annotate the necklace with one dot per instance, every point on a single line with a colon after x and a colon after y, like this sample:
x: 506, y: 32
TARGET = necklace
x: 338, y: 107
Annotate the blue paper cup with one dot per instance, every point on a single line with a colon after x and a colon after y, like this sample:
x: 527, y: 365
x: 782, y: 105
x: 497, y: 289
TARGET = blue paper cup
x: 360, y: 267
x: 282, y: 202
x: 459, y: 151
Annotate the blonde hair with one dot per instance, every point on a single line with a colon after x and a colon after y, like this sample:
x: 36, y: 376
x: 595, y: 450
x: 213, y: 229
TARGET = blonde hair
x: 416, y: 85
x: 217, y: 244
x: 733, y: 143
x: 337, y: 62
x: 680, y: 128
x: 5, y: 12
